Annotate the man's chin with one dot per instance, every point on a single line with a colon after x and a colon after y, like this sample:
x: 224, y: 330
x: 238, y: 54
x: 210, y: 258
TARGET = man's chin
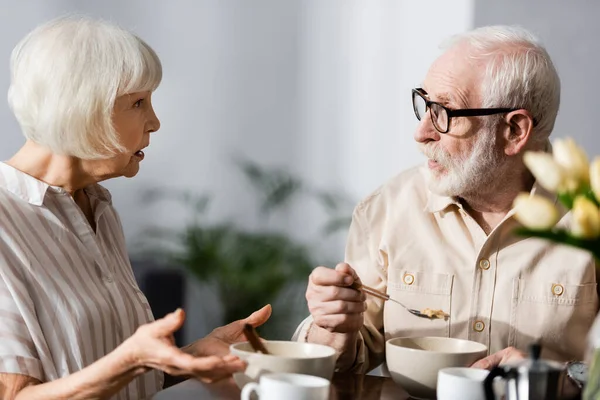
x: 443, y: 187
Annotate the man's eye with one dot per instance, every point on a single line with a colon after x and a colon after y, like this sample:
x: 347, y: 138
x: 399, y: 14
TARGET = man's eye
x: 138, y: 103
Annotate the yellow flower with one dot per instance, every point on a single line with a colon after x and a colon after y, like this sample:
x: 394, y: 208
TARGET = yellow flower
x: 595, y: 177
x: 586, y: 219
x: 573, y: 161
x: 535, y: 212
x: 546, y: 171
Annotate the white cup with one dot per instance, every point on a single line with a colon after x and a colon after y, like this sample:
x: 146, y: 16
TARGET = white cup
x: 461, y: 384
x: 282, y: 386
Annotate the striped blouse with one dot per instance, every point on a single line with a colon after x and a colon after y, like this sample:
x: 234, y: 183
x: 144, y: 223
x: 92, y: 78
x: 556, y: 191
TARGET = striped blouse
x: 67, y: 294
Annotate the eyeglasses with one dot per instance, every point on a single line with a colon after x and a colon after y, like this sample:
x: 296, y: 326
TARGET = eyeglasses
x: 440, y: 115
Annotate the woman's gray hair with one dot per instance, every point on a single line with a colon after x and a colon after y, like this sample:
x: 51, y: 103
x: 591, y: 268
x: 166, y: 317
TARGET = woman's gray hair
x: 519, y: 73
x: 65, y: 77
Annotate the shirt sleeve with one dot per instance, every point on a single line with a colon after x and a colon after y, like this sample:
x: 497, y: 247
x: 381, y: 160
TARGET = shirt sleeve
x: 370, y: 263
x: 18, y: 352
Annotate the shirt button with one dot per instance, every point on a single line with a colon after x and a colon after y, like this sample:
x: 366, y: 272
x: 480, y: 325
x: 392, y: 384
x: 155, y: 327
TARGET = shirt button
x: 409, y: 279
x: 557, y: 289
x: 108, y: 279
x: 479, y: 326
x: 484, y: 264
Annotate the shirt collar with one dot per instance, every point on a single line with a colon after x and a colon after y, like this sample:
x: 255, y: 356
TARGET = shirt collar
x: 33, y: 191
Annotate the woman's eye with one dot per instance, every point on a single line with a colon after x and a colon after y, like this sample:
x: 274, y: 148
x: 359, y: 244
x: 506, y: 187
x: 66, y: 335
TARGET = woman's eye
x: 138, y: 103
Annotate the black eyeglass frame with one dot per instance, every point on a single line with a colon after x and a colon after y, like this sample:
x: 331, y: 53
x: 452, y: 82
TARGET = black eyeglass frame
x: 464, y: 112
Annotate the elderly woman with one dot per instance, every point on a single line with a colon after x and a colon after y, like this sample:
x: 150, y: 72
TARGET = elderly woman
x: 74, y: 323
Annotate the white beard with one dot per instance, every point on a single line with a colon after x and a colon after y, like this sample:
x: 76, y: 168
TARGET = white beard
x: 466, y: 173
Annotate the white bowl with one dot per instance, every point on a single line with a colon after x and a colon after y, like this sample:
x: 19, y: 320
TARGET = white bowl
x: 414, y: 362
x: 286, y: 356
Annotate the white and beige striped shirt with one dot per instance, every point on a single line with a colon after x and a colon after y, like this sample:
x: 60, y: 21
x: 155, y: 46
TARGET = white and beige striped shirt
x: 67, y: 294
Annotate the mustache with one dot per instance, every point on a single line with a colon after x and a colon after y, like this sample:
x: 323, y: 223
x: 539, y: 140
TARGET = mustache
x: 437, y: 153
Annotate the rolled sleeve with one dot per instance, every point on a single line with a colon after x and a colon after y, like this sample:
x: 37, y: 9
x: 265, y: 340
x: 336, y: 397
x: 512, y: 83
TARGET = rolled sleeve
x: 18, y: 353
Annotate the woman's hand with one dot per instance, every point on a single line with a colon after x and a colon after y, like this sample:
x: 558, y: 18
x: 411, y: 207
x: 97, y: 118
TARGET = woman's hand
x: 218, y: 341
x: 153, y: 346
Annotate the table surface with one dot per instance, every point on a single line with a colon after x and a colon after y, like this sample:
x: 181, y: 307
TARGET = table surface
x: 344, y: 387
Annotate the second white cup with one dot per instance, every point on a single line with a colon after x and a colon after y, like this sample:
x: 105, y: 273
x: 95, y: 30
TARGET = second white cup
x: 278, y: 386
x: 461, y: 384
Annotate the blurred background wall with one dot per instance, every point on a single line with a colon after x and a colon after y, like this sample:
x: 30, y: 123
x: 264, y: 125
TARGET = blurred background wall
x: 318, y: 88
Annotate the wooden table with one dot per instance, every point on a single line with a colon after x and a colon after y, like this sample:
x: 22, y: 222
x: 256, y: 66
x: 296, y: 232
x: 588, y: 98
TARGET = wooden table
x: 344, y: 387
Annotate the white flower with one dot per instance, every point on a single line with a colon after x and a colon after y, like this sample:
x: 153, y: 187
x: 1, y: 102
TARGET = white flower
x: 535, y: 212
x: 586, y: 219
x: 595, y: 177
x: 572, y: 159
x: 546, y: 171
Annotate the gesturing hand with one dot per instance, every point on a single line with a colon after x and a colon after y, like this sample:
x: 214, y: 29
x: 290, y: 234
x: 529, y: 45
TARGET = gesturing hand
x: 153, y: 346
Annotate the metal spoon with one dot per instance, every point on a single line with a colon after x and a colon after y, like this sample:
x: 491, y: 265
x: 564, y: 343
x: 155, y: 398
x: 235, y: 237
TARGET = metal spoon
x: 254, y: 339
x: 386, y: 297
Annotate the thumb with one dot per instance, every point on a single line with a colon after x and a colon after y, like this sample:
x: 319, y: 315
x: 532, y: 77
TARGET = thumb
x: 170, y: 323
x: 259, y: 317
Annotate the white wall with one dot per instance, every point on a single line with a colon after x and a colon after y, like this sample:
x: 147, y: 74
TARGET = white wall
x: 322, y: 87
x: 570, y: 31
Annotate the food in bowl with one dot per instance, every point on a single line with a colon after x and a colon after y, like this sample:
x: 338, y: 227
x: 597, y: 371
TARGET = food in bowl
x: 285, y: 356
x: 414, y: 362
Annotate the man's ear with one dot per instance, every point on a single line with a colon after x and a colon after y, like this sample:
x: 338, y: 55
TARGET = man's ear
x: 517, y: 132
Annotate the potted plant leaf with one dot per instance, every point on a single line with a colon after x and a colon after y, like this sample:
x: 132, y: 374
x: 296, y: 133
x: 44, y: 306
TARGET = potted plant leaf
x: 248, y: 268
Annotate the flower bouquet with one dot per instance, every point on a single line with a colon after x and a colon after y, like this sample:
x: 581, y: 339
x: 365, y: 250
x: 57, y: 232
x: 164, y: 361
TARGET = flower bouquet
x: 567, y: 173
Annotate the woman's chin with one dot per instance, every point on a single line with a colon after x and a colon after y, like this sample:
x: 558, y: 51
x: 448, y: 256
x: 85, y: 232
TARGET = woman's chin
x: 131, y: 170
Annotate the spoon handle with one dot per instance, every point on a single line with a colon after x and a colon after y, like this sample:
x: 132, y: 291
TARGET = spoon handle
x: 254, y: 339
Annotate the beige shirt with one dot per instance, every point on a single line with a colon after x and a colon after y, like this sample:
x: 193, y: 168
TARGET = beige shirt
x: 499, y: 289
x: 67, y: 294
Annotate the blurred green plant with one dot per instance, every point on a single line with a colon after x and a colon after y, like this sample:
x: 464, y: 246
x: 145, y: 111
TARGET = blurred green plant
x: 249, y: 268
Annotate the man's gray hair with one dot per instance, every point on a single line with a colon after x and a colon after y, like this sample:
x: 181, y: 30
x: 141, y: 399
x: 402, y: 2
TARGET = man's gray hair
x: 519, y: 73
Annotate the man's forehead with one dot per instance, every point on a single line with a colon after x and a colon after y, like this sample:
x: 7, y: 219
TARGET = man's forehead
x: 446, y: 94
x: 453, y: 79
x: 440, y: 97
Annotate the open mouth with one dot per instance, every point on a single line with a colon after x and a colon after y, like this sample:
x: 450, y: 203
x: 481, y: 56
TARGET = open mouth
x: 139, y: 154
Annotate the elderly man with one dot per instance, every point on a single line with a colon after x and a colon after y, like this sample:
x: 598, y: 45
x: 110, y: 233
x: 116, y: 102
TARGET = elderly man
x: 441, y: 236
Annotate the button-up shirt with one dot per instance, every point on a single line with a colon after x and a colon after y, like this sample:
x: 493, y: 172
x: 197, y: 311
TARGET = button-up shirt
x: 67, y: 294
x: 500, y: 289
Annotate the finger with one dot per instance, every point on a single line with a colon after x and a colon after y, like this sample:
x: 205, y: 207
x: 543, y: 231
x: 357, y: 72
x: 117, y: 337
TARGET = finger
x: 346, y: 269
x: 259, y: 317
x: 330, y: 293
x: 512, y: 354
x: 171, y: 360
x: 167, y: 325
x: 491, y: 361
x: 323, y: 276
x: 219, y: 373
x: 216, y: 367
x: 338, y: 307
x: 340, y: 323
x: 230, y: 357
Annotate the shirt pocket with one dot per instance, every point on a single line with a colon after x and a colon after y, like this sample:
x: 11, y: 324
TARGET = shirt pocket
x: 417, y: 290
x: 559, y: 314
